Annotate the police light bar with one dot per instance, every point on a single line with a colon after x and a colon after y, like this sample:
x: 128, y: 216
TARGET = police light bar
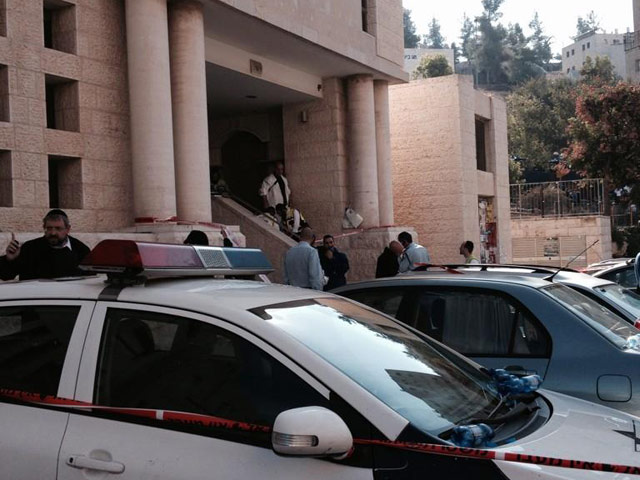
x: 131, y: 258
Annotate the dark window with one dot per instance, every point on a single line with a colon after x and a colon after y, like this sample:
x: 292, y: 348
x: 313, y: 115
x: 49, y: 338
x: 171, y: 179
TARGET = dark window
x: 62, y: 100
x: 480, y: 323
x: 158, y: 361
x: 625, y: 277
x: 385, y: 300
x: 65, y: 182
x: 481, y: 150
x: 33, y: 345
x: 588, y: 44
x: 567, y: 53
x: 59, y: 25
x: 365, y: 16
x: 3, y: 18
x: 573, y: 52
x: 6, y: 179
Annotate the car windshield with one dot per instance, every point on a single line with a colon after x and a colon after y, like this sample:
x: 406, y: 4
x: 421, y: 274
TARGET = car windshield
x: 604, y: 321
x: 624, y: 297
x: 413, y: 377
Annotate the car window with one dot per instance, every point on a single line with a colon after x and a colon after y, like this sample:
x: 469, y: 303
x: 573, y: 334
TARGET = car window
x: 623, y: 276
x: 480, y: 323
x: 385, y: 300
x: 626, y: 298
x: 604, y: 321
x: 33, y: 345
x: 166, y: 362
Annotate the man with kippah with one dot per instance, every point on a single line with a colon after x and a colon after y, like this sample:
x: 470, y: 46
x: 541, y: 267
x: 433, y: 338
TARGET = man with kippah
x: 55, y: 254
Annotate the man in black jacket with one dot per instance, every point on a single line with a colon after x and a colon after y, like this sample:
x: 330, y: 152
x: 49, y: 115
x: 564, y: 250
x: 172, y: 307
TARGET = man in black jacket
x: 334, y: 263
x: 53, y: 255
x: 387, y: 265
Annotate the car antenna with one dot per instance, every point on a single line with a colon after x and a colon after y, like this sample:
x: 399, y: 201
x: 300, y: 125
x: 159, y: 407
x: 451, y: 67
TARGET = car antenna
x: 571, y: 261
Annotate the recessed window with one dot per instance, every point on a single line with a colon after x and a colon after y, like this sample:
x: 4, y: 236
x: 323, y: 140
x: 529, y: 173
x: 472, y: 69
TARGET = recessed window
x: 583, y: 47
x: 481, y: 145
x: 62, y: 103
x: 567, y: 53
x: 573, y: 52
x: 588, y: 44
x: 3, y: 18
x: 368, y: 16
x: 6, y: 179
x: 60, y: 28
x: 4, y: 94
x: 65, y: 182
x: 637, y: 65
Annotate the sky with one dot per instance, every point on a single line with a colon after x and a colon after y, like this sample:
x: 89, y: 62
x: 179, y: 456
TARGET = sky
x: 558, y: 17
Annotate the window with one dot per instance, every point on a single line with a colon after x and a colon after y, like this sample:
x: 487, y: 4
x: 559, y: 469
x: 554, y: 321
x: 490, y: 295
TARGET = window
x: 3, y: 18
x: 62, y: 103
x: 637, y: 65
x: 368, y: 16
x: 567, y: 53
x: 385, y: 300
x: 624, y: 276
x: 60, y: 29
x: 151, y: 360
x: 583, y: 47
x: 33, y: 345
x: 568, y: 70
x: 6, y: 179
x: 480, y: 323
x: 573, y: 52
x: 481, y: 149
x: 4, y: 94
x: 365, y: 16
x: 65, y: 182
x: 588, y: 44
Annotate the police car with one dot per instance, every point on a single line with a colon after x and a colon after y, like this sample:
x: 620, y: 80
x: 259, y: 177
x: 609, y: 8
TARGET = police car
x: 160, y: 367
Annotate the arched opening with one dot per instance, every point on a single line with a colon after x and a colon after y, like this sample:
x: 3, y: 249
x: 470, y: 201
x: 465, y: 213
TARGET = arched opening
x: 244, y: 166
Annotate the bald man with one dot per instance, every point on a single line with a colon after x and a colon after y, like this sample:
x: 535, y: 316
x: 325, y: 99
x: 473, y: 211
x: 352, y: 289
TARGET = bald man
x: 387, y: 265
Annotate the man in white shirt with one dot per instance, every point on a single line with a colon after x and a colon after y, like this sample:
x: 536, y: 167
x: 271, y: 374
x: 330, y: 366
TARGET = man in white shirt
x: 275, y: 188
x: 413, y: 254
x: 302, y: 264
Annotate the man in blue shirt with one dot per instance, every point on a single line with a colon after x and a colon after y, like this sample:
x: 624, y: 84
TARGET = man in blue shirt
x: 412, y: 255
x: 302, y: 265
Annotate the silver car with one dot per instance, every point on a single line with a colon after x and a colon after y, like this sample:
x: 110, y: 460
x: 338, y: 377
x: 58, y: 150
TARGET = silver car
x: 524, y: 323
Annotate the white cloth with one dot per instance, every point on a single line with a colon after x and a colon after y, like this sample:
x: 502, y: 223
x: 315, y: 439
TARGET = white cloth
x: 413, y: 254
x: 271, y: 190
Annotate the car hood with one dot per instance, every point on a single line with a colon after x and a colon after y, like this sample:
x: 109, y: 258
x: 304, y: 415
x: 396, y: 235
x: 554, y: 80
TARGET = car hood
x: 578, y: 430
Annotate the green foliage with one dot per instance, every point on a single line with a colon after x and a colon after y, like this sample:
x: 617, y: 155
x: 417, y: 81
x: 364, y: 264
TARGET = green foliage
x: 538, y: 114
x: 540, y: 43
x: 468, y: 40
x: 434, y: 38
x: 605, y: 133
x: 516, y: 172
x: 411, y: 39
x: 432, y: 66
x: 600, y: 72
x: 491, y: 53
x: 588, y: 24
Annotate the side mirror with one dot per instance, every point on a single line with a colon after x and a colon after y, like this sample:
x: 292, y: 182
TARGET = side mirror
x: 311, y: 431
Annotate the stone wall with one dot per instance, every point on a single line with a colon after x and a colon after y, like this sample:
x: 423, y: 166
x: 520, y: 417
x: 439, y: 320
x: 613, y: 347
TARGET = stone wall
x: 436, y: 182
x: 87, y: 68
x: 591, y: 228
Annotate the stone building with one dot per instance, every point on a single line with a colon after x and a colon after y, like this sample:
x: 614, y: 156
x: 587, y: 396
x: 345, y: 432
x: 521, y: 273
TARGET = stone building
x: 593, y: 44
x: 450, y: 167
x: 115, y: 110
x: 632, y: 46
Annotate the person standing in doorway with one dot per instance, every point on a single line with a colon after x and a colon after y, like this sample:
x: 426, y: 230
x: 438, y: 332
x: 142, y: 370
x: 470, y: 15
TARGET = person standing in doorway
x: 275, y: 188
x: 413, y: 254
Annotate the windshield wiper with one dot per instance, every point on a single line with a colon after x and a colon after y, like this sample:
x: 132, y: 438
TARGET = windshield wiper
x: 520, y: 409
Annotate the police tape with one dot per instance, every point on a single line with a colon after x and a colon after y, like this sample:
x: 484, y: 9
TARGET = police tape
x: 217, y: 422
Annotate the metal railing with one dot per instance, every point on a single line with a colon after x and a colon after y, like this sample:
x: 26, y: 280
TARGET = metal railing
x: 568, y: 198
x: 631, y: 40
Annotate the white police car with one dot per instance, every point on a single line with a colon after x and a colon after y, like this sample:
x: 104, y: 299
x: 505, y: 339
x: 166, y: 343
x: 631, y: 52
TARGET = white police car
x: 182, y: 376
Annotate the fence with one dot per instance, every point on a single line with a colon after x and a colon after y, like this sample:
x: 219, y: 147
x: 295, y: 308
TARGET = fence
x: 558, y: 199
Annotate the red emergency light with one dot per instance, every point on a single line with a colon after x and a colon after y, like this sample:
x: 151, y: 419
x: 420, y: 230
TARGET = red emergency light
x: 130, y: 258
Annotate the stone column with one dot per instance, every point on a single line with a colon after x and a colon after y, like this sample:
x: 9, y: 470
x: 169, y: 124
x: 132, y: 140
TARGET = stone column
x: 190, y: 123
x: 154, y: 192
x: 383, y: 148
x: 361, y: 139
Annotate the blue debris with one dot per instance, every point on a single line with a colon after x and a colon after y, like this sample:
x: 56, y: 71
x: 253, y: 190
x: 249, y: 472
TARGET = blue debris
x: 507, y: 383
x: 475, y: 436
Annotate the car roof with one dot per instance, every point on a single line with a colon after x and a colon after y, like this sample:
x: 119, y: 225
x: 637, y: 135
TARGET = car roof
x: 188, y: 293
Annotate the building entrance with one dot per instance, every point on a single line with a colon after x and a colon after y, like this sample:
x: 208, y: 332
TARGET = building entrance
x: 244, y: 167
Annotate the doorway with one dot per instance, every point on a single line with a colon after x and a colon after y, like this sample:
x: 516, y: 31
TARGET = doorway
x: 244, y: 163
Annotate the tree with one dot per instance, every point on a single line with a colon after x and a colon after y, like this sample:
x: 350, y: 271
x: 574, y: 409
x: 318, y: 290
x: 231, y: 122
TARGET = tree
x: 432, y: 66
x: 538, y: 114
x: 540, y: 43
x: 599, y: 72
x: 468, y: 39
x: 411, y: 39
x: 605, y: 134
x: 456, y: 53
x: 434, y: 38
x: 588, y: 24
x: 491, y: 53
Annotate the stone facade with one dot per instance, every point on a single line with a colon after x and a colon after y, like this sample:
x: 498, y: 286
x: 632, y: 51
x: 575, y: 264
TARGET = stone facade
x: 570, y: 235
x: 632, y: 46
x: 436, y: 181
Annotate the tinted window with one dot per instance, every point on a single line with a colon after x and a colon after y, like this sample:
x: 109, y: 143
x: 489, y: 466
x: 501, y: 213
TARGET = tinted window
x: 165, y: 362
x: 385, y: 300
x: 33, y: 345
x: 480, y: 323
x: 624, y: 276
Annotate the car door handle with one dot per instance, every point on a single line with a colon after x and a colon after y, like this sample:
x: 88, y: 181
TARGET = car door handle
x: 80, y: 461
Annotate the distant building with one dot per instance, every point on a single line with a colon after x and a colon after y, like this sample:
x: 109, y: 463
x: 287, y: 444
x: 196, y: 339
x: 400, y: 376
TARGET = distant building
x: 632, y: 46
x: 412, y: 56
x: 594, y: 45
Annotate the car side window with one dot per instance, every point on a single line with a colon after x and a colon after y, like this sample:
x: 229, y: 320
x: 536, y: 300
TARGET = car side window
x: 33, y: 346
x: 386, y: 300
x: 481, y: 323
x: 624, y: 276
x: 166, y: 362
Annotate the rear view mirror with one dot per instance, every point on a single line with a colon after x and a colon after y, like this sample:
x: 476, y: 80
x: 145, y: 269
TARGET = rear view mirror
x: 311, y: 431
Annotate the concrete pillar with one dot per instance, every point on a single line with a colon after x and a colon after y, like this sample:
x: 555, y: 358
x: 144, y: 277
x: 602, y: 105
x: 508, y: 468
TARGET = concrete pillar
x: 383, y: 149
x: 154, y: 191
x: 189, y: 96
x: 361, y: 140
